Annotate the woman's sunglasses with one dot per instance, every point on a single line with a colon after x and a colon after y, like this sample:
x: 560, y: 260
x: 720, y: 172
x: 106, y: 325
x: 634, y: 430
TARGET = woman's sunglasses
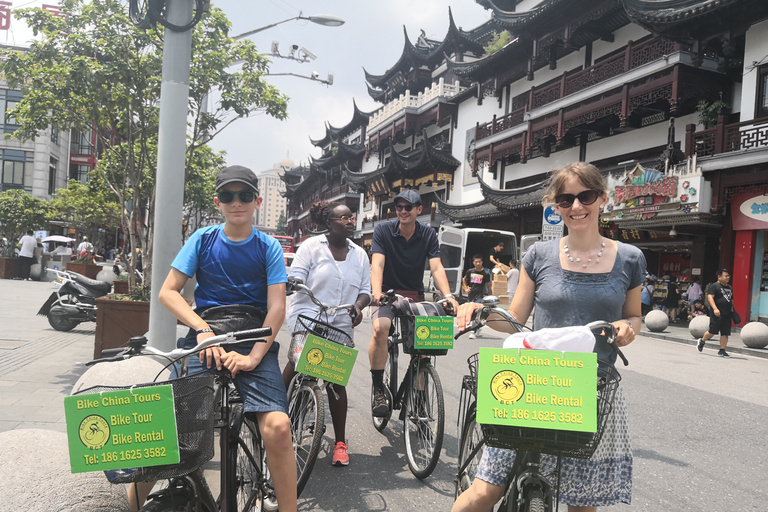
x: 585, y: 197
x: 345, y: 219
x: 245, y: 196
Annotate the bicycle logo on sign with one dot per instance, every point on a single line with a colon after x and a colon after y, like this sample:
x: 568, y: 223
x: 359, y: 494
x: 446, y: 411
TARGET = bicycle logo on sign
x: 94, y: 431
x: 507, y: 387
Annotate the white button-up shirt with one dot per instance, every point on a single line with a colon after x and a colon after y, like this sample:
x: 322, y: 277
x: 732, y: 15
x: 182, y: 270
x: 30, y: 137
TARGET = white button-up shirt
x: 332, y: 282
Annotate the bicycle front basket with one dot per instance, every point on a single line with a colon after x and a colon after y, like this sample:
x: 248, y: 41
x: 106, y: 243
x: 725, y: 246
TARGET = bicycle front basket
x: 194, y: 403
x: 305, y: 325
x: 579, y: 445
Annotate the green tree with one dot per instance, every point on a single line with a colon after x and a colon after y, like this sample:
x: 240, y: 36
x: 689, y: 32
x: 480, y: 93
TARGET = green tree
x: 20, y: 212
x: 89, y: 209
x: 497, y: 42
x: 200, y: 187
x: 281, y: 223
x: 92, y: 69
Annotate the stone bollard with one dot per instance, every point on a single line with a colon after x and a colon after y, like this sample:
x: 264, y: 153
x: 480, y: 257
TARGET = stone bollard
x: 698, y: 326
x: 106, y: 275
x: 36, y: 475
x: 656, y: 320
x: 755, y: 335
x: 137, y: 370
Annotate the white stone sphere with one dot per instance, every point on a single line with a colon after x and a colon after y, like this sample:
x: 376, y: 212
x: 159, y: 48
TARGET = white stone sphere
x: 36, y: 475
x: 755, y: 335
x: 656, y: 320
x: 136, y: 370
x: 106, y: 274
x: 698, y: 326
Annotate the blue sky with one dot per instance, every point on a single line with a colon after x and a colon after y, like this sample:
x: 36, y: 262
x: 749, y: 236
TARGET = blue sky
x: 372, y: 37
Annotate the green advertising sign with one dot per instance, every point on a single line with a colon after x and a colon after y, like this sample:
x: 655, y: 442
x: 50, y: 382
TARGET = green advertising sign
x: 122, y: 429
x: 537, y: 388
x: 433, y: 332
x: 326, y: 360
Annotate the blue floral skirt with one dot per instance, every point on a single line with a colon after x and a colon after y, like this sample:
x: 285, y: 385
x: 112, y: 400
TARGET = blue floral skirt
x: 602, y: 480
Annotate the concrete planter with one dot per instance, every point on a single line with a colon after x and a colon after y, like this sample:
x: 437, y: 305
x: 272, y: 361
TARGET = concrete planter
x: 8, y: 268
x: 120, y: 287
x: 117, y: 321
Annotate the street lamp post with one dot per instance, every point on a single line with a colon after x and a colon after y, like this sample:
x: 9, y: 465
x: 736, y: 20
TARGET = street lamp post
x: 177, y: 55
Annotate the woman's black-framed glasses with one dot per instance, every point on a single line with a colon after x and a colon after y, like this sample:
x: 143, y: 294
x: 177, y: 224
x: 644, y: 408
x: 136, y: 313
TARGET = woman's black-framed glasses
x: 406, y: 207
x: 346, y: 219
x: 245, y: 196
x: 585, y: 197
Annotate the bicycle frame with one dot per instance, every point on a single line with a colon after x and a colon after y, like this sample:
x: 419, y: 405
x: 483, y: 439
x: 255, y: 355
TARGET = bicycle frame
x: 413, y: 368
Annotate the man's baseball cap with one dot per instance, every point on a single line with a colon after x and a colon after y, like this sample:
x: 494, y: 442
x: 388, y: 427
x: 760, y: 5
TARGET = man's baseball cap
x: 237, y: 173
x: 410, y: 196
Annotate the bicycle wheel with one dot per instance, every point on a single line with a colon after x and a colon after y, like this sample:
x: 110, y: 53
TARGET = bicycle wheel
x: 534, y: 500
x: 250, y: 472
x: 380, y: 423
x: 471, y: 436
x: 179, y: 497
x: 306, y: 410
x: 424, y: 421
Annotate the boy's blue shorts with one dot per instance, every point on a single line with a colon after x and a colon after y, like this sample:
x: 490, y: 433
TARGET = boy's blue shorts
x: 262, y: 388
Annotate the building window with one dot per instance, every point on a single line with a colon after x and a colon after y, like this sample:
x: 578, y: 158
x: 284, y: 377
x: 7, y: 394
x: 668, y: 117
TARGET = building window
x: 79, y: 173
x: 8, y: 101
x: 17, y: 168
x: 55, y: 134
x: 52, y: 176
x: 762, y: 91
x: 81, y: 142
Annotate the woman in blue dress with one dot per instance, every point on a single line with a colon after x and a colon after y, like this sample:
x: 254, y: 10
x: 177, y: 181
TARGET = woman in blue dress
x: 574, y: 280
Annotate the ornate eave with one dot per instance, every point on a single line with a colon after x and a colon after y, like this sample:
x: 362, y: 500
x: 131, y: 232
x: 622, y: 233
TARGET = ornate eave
x: 514, y: 20
x: 427, y: 156
x: 359, y: 119
x: 343, y: 153
x: 515, y: 50
x: 515, y: 198
x: 662, y: 15
x: 463, y: 213
x: 331, y: 134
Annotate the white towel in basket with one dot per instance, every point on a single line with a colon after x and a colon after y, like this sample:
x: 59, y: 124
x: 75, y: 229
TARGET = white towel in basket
x: 561, y: 339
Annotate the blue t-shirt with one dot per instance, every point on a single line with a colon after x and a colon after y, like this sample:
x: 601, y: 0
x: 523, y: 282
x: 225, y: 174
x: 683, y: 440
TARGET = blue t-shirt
x: 231, y: 272
x: 404, y: 259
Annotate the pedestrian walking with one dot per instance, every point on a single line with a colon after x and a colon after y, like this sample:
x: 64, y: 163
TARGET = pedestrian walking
x: 720, y: 301
x: 646, y: 297
x: 672, y: 301
x: 27, y: 245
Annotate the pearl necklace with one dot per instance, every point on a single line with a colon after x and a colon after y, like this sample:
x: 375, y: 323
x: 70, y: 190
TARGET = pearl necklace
x: 589, y: 260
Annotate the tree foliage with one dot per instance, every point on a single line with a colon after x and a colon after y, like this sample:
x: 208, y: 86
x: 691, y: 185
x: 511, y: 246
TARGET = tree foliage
x: 20, y: 212
x: 86, y: 208
x: 281, y: 224
x: 92, y: 69
x: 497, y: 42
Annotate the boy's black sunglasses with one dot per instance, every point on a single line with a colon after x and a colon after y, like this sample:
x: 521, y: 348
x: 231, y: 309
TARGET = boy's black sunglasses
x: 245, y: 196
x: 585, y: 197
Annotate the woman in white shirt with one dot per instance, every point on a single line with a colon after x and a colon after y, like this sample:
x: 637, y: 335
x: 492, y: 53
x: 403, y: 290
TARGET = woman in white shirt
x: 338, y: 272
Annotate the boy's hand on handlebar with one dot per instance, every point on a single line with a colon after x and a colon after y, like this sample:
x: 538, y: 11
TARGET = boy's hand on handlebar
x: 625, y: 333
x: 209, y: 355
x: 236, y: 362
x: 465, y: 314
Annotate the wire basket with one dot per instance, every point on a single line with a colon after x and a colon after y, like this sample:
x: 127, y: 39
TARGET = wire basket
x: 305, y: 326
x: 579, y: 445
x: 194, y: 404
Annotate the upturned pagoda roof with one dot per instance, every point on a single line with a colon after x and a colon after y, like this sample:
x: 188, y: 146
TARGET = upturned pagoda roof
x: 343, y: 153
x: 496, y: 202
x: 426, y: 53
x: 333, y: 133
x: 466, y: 212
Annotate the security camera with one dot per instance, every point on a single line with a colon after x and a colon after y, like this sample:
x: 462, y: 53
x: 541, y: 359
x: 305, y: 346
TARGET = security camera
x: 308, y: 53
x: 294, y: 48
x: 274, y: 49
x: 315, y: 75
x: 330, y: 79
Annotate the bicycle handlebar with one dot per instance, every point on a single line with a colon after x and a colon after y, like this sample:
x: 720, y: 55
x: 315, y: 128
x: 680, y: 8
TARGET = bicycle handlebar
x: 391, y: 296
x: 295, y: 284
x: 138, y: 347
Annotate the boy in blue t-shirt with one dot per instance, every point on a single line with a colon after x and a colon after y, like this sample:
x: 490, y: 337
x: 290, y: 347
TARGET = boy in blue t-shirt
x: 237, y: 264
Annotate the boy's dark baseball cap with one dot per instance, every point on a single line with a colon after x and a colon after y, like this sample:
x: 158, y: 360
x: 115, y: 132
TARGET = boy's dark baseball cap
x: 410, y: 196
x: 235, y: 173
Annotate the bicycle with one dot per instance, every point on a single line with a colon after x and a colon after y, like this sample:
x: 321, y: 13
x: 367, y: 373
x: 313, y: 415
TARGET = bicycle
x: 306, y: 405
x: 527, y: 489
x: 204, y: 402
x: 419, y: 396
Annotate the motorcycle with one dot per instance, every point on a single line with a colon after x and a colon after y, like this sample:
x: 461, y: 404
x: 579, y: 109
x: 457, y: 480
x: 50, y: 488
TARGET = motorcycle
x: 74, y: 301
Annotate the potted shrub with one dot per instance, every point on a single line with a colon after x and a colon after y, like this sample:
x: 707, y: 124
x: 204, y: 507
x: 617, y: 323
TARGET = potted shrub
x: 120, y: 317
x: 84, y: 265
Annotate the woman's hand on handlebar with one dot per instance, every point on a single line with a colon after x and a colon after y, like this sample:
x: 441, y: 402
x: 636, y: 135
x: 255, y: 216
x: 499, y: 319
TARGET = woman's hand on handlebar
x: 625, y: 333
x: 466, y: 314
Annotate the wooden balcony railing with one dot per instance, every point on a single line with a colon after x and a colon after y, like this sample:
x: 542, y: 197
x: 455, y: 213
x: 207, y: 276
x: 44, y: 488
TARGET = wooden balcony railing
x: 726, y: 138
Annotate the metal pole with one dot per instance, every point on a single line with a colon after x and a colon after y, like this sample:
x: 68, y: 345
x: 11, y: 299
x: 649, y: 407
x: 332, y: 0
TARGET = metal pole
x: 169, y: 189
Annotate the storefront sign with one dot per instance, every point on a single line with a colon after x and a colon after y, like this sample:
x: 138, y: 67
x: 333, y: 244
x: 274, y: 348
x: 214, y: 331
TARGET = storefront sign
x: 537, y: 388
x: 326, y: 360
x: 750, y: 212
x: 122, y: 429
x: 551, y: 224
x: 647, y: 193
x: 433, y: 332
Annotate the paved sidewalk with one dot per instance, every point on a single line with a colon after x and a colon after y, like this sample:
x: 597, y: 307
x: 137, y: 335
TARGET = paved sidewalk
x: 679, y: 333
x: 39, y: 366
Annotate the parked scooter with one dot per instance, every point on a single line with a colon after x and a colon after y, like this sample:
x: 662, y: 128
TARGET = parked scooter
x: 74, y: 301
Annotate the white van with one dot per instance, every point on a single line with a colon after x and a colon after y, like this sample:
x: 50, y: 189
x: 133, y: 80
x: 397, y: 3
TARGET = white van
x: 526, y: 242
x: 458, y: 245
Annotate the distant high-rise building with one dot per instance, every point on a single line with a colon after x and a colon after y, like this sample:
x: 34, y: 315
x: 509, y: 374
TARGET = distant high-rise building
x: 273, y: 203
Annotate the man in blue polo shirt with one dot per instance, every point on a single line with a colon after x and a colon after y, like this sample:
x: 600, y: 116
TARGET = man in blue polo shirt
x: 400, y: 247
